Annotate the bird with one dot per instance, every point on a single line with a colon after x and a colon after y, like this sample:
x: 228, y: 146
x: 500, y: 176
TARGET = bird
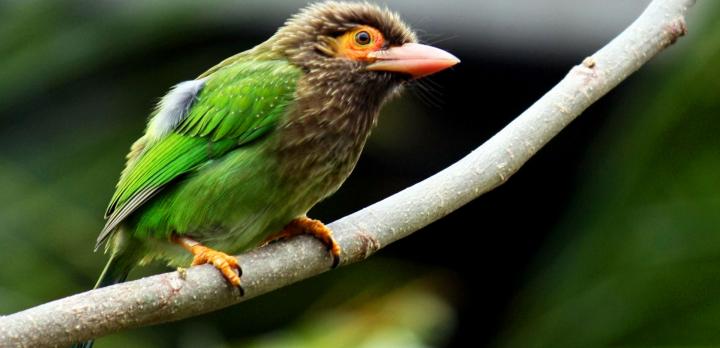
x: 237, y: 156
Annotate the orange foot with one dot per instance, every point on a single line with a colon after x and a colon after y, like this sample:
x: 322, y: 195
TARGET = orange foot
x: 315, y: 228
x: 226, y: 264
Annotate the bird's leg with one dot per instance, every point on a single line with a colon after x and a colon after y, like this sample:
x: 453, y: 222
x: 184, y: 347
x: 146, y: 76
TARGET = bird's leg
x: 315, y: 228
x: 225, y: 263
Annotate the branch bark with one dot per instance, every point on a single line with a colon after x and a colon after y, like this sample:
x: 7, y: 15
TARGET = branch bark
x: 177, y: 295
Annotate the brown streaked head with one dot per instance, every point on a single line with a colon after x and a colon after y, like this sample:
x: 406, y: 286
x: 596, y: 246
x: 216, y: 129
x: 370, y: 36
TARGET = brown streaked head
x: 357, y: 39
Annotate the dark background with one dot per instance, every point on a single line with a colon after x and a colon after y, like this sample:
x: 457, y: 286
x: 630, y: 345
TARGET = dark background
x: 608, y: 236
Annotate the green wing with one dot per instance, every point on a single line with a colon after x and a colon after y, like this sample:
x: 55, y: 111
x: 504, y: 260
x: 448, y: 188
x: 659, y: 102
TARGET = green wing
x: 231, y: 107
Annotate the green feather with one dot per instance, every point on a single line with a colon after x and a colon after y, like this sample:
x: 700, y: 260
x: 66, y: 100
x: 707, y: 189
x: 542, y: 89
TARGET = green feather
x: 236, y: 106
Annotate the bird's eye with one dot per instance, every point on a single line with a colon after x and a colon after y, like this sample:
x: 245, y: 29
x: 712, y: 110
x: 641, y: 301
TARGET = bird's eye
x: 363, y: 38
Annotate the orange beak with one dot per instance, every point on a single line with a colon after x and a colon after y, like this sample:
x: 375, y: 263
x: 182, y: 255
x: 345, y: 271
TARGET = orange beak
x: 413, y: 59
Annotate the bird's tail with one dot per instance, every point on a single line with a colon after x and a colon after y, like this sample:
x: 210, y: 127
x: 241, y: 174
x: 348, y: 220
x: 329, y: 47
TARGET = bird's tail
x: 116, y: 271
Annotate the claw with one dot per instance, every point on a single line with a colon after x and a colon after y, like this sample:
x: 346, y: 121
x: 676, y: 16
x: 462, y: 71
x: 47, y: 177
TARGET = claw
x: 226, y: 264
x: 314, y: 228
x: 223, y: 262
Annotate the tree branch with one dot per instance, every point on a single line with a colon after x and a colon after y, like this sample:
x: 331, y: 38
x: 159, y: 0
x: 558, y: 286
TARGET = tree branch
x: 177, y: 295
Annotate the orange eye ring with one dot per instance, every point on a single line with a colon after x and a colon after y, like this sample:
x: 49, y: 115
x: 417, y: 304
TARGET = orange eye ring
x: 358, y: 42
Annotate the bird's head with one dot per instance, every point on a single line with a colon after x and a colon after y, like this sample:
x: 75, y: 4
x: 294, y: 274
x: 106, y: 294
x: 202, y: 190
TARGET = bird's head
x: 357, y: 42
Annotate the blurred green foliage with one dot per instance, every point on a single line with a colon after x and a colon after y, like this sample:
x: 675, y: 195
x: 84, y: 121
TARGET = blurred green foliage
x: 409, y: 316
x: 636, y: 261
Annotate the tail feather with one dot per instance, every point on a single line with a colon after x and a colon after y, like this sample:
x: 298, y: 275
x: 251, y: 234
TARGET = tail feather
x: 116, y: 271
x: 86, y: 344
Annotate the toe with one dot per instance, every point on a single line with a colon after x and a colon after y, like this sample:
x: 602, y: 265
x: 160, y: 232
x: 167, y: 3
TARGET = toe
x: 231, y: 275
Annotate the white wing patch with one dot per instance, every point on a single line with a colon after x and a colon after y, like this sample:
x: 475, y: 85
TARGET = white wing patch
x: 173, y: 108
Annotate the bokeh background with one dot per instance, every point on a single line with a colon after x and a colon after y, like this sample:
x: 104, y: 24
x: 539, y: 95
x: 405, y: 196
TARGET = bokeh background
x: 608, y: 237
